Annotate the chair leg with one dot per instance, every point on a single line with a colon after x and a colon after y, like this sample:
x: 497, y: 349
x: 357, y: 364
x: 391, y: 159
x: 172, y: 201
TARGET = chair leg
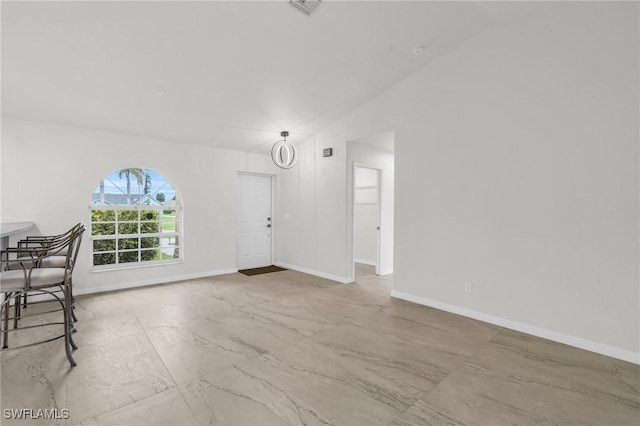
x: 70, y: 317
x: 74, y: 347
x: 69, y: 344
x: 67, y: 340
x: 73, y: 301
x: 16, y: 310
x: 5, y: 320
x: 67, y: 349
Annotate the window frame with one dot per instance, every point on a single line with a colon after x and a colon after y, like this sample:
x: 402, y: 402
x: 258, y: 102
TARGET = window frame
x: 176, y: 235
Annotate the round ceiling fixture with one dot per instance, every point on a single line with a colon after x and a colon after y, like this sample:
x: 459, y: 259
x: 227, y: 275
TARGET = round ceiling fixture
x: 284, y: 154
x: 418, y: 50
x: 161, y: 92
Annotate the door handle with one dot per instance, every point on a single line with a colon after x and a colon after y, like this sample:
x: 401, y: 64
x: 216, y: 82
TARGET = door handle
x: 268, y: 225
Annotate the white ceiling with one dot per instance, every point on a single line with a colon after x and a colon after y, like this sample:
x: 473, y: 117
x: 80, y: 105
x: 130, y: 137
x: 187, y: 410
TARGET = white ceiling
x: 235, y: 73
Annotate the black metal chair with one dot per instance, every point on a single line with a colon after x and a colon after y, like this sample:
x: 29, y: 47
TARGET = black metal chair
x: 56, y: 260
x: 25, y: 277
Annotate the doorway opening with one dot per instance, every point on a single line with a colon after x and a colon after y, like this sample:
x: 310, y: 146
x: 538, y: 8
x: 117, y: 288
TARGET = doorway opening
x: 371, y: 211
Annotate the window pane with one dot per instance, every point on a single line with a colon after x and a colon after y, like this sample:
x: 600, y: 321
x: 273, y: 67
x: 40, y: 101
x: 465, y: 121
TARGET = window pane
x: 128, y: 257
x: 168, y: 247
x: 104, y: 245
x: 104, y: 259
x: 149, y: 215
x: 127, y: 215
x: 168, y: 253
x: 149, y: 242
x: 168, y: 226
x: 150, y: 255
x: 127, y: 228
x: 127, y: 243
x: 103, y: 229
x: 103, y: 216
x: 168, y: 241
x: 149, y: 227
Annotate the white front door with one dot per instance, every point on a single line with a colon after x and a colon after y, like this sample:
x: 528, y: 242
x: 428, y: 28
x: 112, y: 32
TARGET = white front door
x: 254, y: 221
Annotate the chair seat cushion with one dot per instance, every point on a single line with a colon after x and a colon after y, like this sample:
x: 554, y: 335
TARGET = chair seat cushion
x: 12, y: 281
x: 47, y: 277
x: 17, y: 265
x: 54, y: 262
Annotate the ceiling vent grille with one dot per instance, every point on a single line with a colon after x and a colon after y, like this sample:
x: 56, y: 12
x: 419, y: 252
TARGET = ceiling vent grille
x: 306, y: 6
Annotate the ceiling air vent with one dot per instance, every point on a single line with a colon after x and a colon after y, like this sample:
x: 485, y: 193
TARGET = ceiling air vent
x: 306, y: 6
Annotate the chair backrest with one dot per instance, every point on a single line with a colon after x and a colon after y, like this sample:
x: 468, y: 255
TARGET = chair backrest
x: 67, y: 246
x: 47, y: 241
x: 72, y: 255
x: 54, y: 237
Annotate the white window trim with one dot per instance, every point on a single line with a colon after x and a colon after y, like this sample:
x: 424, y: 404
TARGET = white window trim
x: 139, y: 264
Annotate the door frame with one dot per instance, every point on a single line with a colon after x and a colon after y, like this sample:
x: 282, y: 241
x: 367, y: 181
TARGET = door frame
x: 354, y: 166
x: 273, y: 218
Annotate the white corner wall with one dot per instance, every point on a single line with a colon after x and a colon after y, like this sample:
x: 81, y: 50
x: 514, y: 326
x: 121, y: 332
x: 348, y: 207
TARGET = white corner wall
x: 516, y: 165
x: 311, y: 210
x: 49, y: 173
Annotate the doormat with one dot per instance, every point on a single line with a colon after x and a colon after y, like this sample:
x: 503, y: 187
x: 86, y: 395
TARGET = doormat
x: 258, y: 271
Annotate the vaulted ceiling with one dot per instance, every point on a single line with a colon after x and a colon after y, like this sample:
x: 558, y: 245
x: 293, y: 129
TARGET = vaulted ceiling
x: 230, y: 74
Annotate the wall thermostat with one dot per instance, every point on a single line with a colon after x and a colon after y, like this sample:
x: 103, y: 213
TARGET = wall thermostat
x: 327, y: 152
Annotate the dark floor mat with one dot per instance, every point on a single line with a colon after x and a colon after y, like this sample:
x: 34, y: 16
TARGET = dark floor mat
x: 264, y: 270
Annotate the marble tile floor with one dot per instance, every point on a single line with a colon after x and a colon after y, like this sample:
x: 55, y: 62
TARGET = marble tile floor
x: 288, y: 348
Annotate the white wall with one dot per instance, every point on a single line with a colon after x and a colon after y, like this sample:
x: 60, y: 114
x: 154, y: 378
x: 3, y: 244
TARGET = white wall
x: 315, y: 204
x: 516, y: 170
x: 311, y: 210
x: 49, y: 173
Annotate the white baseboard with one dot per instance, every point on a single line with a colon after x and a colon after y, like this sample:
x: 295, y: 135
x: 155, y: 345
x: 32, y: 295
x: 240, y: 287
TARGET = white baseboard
x: 343, y: 280
x: 577, y: 342
x: 386, y: 272
x: 132, y: 284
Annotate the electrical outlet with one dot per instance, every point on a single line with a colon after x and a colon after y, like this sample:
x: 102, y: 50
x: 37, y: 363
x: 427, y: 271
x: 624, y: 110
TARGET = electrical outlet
x: 468, y: 287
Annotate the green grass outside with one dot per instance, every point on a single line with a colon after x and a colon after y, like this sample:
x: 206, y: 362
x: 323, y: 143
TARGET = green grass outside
x: 168, y: 226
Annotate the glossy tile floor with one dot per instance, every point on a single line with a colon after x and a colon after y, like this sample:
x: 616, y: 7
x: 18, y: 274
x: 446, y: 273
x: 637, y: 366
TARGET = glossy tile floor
x: 288, y: 348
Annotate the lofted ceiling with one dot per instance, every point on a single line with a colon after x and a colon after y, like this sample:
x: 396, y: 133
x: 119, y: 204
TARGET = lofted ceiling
x: 231, y: 74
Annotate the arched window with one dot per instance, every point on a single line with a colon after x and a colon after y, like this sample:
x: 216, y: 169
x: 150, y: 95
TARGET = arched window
x: 136, y: 220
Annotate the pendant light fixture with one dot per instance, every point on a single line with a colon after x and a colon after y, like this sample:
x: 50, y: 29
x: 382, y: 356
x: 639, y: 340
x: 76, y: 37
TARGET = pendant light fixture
x: 283, y: 153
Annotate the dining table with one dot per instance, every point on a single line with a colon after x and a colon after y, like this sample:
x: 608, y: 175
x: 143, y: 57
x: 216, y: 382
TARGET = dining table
x: 7, y: 229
